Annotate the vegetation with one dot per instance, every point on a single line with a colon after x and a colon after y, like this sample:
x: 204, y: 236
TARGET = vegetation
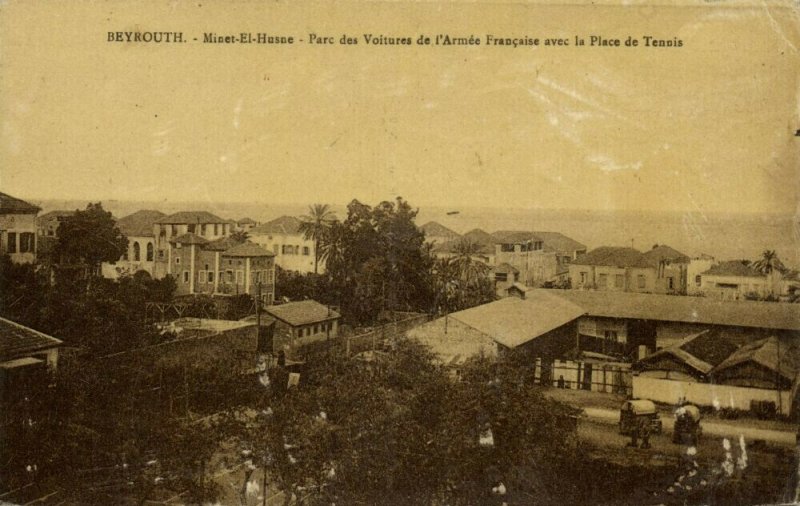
x: 314, y: 225
x: 89, y: 237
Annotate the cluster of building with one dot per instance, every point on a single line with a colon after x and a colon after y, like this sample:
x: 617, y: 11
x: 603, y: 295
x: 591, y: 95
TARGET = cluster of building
x: 520, y: 260
x: 712, y: 352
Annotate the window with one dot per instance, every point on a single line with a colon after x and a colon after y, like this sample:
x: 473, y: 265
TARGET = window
x: 203, y: 229
x: 210, y: 276
x: 619, y: 280
x: 177, y: 260
x: 286, y: 250
x: 583, y: 277
x: 174, y: 229
x: 149, y: 251
x: 185, y: 276
x: 640, y: 281
x: 230, y: 276
x: 239, y: 277
x: 611, y: 335
x: 698, y: 279
x: 306, y: 251
x: 191, y: 228
x: 507, y: 248
x: 275, y: 249
x: 26, y: 242
x: 12, y: 242
x: 272, y: 275
x: 671, y: 282
x: 137, y: 252
x: 161, y: 254
x: 216, y: 229
x: 602, y: 280
x: 500, y: 276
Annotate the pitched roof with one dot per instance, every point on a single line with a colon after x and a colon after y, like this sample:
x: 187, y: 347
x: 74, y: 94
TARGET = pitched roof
x: 13, y: 205
x: 282, y: 225
x: 191, y: 217
x: 701, y: 351
x: 676, y: 308
x: 247, y: 249
x: 221, y: 244
x: 662, y: 252
x: 302, y: 312
x: 613, y: 256
x: 140, y: 223
x: 733, y: 268
x: 506, y: 267
x: 246, y: 221
x: 515, y: 236
x: 770, y: 353
x: 189, y: 238
x: 478, y: 236
x: 513, y: 322
x: 434, y: 229
x: 54, y: 214
x: 18, y: 340
x: 558, y: 242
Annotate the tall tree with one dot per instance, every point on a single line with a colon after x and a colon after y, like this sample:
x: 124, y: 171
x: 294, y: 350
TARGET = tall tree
x: 90, y: 237
x: 768, y: 263
x: 313, y: 226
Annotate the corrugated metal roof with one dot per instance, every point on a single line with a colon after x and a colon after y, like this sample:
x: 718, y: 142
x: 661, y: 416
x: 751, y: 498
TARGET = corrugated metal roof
x: 13, y: 205
x: 302, y: 312
x: 677, y: 308
x: 770, y: 353
x: 513, y: 322
x: 18, y: 340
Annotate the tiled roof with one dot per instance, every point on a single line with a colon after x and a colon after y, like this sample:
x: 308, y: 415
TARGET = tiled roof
x: 246, y: 221
x: 506, y: 267
x: 733, y: 268
x: 478, y: 236
x: 221, y: 244
x: 302, y: 312
x: 513, y: 322
x: 191, y: 217
x: 515, y: 236
x: 434, y: 229
x: 54, y: 214
x: 558, y: 242
x: 772, y: 353
x: 677, y: 308
x: 283, y: 225
x: 247, y: 249
x: 614, y: 257
x: 140, y: 223
x: 664, y: 253
x: 17, y: 340
x: 13, y: 205
x: 189, y: 238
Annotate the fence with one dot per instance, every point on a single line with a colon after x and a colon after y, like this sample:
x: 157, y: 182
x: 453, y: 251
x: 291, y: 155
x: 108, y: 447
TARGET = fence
x: 592, y: 376
x: 707, y: 394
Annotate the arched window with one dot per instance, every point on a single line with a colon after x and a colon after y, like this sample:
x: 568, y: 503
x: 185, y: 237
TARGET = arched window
x: 149, y: 251
x: 137, y: 253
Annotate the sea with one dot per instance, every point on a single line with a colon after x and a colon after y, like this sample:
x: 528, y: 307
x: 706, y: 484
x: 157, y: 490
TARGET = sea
x: 725, y: 236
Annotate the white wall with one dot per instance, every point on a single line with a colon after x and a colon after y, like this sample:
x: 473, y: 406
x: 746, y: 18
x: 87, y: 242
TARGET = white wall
x: 705, y: 394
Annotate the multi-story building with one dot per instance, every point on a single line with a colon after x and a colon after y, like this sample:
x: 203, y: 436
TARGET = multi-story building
x: 735, y: 279
x: 47, y: 224
x: 282, y: 236
x: 622, y: 269
x: 140, y: 256
x: 201, y: 224
x: 18, y: 229
x: 525, y: 252
x: 221, y: 267
x: 694, y: 272
x: 246, y: 224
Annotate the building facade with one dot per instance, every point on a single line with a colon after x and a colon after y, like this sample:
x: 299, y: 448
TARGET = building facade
x: 621, y: 269
x: 282, y: 236
x: 18, y: 229
x: 198, y: 223
x: 141, y: 253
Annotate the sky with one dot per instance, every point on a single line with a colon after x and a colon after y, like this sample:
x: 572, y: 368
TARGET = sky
x: 707, y: 127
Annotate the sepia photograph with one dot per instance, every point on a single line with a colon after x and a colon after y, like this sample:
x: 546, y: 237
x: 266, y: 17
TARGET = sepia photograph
x: 409, y: 252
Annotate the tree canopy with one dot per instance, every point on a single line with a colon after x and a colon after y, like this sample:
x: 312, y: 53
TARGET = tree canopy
x: 91, y: 237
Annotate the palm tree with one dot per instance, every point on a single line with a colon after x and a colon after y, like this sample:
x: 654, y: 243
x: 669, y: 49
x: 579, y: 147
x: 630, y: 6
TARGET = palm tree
x: 468, y: 267
x: 313, y: 226
x: 768, y: 263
